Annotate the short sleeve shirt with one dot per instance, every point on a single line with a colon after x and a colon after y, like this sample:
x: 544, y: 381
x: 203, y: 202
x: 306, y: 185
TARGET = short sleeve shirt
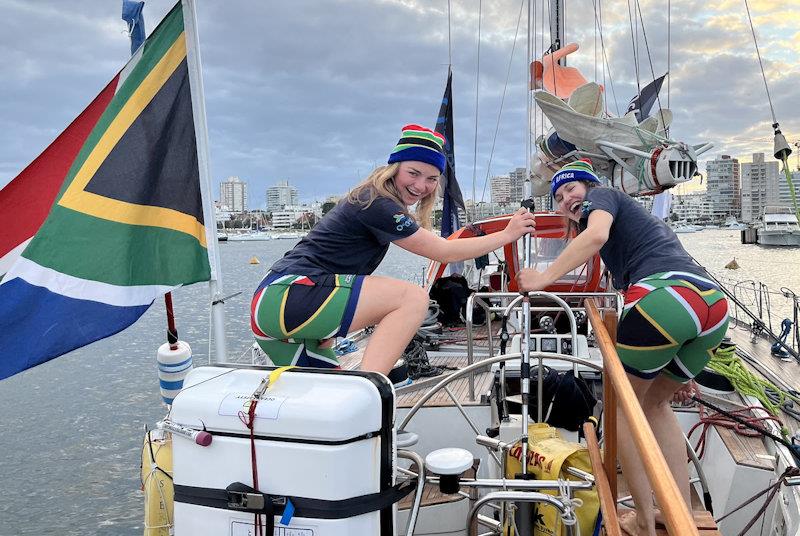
x: 639, y: 244
x: 350, y: 239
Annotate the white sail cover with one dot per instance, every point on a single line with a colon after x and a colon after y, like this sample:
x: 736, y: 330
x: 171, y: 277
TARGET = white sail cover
x: 584, y: 131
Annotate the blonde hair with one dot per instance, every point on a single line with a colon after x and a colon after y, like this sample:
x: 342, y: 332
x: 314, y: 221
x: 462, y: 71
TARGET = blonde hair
x: 379, y: 183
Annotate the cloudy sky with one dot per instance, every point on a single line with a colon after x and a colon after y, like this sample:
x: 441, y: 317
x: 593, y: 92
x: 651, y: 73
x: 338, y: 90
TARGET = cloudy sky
x: 316, y: 92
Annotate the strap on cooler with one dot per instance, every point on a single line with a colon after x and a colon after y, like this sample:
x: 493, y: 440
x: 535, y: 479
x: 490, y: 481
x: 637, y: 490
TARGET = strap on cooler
x: 243, y: 498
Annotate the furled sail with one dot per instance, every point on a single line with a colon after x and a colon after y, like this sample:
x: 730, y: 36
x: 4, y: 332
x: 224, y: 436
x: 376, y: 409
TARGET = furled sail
x: 633, y: 155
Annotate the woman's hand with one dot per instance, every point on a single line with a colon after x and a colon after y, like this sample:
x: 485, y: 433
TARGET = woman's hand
x: 521, y: 223
x: 685, y: 393
x: 531, y: 280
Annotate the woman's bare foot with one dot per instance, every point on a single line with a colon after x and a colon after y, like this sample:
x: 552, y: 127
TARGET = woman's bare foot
x: 629, y: 523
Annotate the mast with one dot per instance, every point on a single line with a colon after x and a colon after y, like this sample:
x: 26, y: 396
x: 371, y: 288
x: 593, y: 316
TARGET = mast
x: 557, y: 26
x: 204, y: 167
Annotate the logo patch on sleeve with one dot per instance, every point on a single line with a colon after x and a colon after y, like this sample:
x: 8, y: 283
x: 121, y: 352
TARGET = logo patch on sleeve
x: 402, y: 221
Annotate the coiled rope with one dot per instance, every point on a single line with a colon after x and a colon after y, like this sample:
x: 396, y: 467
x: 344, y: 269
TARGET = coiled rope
x: 729, y: 365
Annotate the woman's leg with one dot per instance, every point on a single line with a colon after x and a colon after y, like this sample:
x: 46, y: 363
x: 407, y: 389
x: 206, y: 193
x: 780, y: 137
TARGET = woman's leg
x: 643, y: 523
x: 655, y: 397
x: 658, y: 410
x: 398, y: 308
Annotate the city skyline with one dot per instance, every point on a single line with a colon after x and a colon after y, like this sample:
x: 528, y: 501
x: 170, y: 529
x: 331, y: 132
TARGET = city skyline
x: 282, y: 102
x: 514, y: 178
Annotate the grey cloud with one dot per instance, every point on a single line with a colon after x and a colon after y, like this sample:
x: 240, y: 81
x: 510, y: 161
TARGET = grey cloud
x: 317, y: 91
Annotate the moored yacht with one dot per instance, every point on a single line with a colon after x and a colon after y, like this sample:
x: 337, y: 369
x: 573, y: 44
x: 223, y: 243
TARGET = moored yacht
x: 779, y: 227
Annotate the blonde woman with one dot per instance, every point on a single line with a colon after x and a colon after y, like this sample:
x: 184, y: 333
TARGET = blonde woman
x: 322, y: 288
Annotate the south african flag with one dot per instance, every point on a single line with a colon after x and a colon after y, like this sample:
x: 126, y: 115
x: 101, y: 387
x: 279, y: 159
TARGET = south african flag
x: 123, y: 203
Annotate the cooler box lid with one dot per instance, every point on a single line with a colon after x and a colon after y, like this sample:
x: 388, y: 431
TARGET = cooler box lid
x: 316, y: 405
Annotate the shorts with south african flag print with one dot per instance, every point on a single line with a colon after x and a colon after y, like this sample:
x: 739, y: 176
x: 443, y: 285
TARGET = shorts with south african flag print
x: 671, y: 323
x: 291, y: 315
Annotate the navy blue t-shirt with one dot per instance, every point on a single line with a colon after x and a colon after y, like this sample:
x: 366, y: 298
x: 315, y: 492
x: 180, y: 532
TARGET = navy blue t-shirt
x: 350, y: 239
x: 639, y: 244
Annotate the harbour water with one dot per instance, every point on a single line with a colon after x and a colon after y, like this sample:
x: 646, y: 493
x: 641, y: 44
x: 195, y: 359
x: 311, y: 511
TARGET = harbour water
x: 71, y: 429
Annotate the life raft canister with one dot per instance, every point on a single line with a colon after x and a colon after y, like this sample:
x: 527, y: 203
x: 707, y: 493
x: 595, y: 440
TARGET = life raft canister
x: 156, y: 474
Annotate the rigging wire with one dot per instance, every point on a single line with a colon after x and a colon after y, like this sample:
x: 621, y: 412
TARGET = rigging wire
x: 449, y: 43
x: 477, y: 94
x: 598, y: 17
x: 650, y: 59
x: 502, y: 101
x: 633, y: 45
x: 669, y: 50
x: 594, y: 49
x: 760, y: 63
x: 555, y: 41
x: 532, y: 48
x: 781, y: 153
x: 528, y: 83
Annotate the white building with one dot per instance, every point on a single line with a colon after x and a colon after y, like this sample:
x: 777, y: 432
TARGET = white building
x: 233, y: 195
x: 691, y: 207
x: 500, y: 190
x: 221, y: 214
x: 784, y: 195
x: 722, y: 187
x: 759, y: 187
x: 281, y: 195
x: 291, y: 214
x: 516, y: 189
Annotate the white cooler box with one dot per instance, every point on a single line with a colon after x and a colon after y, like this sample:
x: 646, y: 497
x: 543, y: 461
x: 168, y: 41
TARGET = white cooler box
x: 324, y: 441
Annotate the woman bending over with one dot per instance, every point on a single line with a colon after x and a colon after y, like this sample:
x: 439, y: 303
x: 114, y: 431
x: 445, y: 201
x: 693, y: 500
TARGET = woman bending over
x: 673, y: 318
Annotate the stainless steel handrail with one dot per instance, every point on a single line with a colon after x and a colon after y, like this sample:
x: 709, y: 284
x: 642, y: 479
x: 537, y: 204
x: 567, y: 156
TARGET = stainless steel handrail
x: 514, y: 496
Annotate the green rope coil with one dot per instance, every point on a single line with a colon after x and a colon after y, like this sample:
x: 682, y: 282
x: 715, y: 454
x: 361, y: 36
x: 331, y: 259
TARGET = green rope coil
x: 728, y: 364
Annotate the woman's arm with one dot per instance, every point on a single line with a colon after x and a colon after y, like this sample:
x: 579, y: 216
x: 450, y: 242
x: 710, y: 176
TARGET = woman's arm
x: 578, y: 251
x: 427, y: 244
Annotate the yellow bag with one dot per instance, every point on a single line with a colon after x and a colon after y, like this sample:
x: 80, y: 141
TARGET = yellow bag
x: 548, y: 456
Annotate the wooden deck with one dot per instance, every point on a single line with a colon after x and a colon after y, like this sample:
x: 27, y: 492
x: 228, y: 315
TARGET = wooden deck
x: 751, y: 451
x: 449, y: 362
x: 409, y: 395
x: 703, y: 519
x: 704, y: 522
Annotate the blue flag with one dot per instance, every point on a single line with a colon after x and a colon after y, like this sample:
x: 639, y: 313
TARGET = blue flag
x: 132, y: 14
x: 453, y: 200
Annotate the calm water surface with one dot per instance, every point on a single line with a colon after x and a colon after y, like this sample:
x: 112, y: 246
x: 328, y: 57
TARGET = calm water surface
x: 71, y: 429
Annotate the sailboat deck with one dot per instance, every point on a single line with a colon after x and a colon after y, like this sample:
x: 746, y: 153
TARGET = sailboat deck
x: 751, y: 451
x: 410, y: 395
x: 745, y: 450
x: 452, y: 357
x: 787, y: 371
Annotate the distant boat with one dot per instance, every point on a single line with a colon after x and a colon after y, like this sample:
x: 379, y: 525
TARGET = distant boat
x: 779, y: 227
x: 686, y: 228
x: 731, y: 223
x: 292, y: 235
x: 250, y: 237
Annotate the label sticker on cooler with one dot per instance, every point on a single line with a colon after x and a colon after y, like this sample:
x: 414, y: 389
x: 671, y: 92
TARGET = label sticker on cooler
x: 268, y: 406
x: 241, y: 528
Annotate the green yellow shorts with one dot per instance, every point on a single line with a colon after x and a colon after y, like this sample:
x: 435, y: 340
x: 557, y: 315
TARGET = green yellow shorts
x: 671, y: 323
x: 292, y: 314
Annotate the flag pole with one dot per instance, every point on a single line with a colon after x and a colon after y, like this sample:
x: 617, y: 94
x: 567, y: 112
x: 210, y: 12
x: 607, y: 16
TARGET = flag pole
x: 204, y: 167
